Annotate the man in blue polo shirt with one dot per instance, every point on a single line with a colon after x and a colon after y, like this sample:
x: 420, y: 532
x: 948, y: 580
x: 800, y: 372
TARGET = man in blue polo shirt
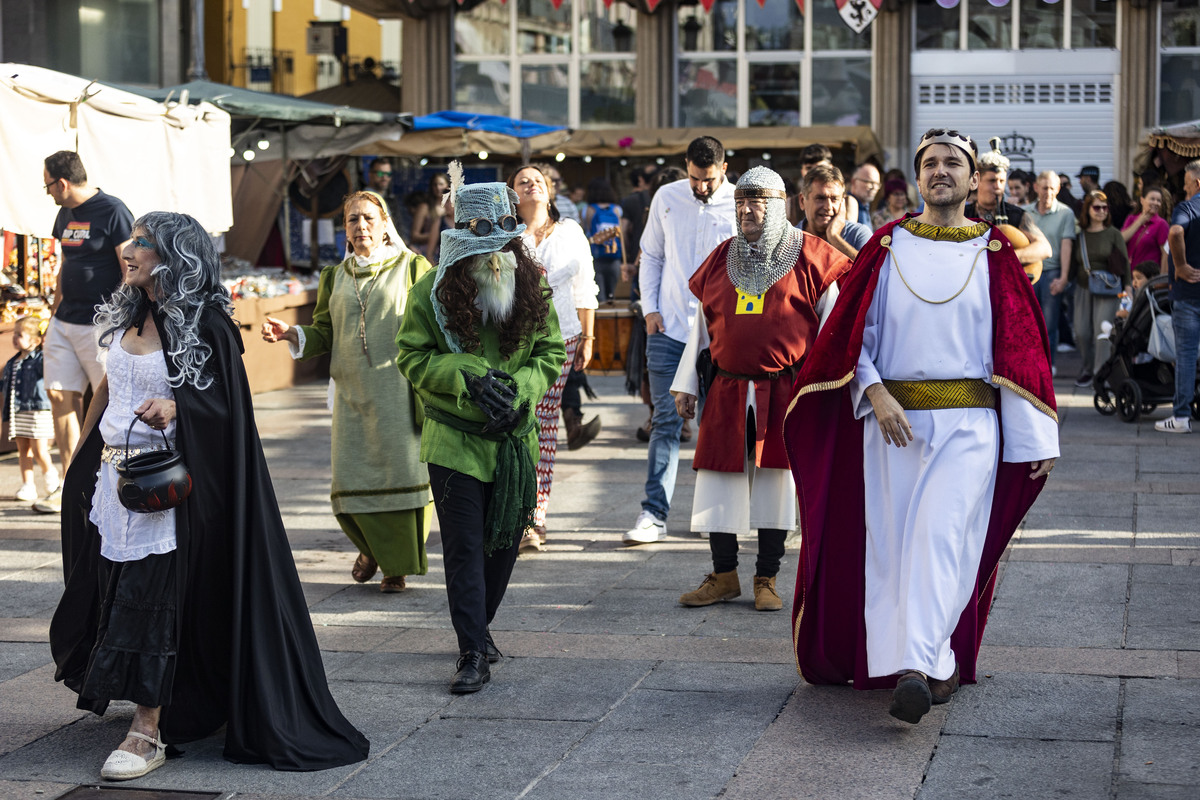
x: 1183, y: 268
x: 823, y: 197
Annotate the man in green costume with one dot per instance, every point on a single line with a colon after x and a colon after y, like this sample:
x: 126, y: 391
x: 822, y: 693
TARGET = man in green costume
x: 481, y: 344
x: 380, y: 491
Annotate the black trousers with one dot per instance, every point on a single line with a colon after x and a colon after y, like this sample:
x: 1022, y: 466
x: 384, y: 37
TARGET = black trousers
x: 724, y: 547
x: 475, y: 583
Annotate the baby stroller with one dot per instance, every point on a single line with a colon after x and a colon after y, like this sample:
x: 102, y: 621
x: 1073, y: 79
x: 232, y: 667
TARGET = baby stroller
x: 1131, y: 382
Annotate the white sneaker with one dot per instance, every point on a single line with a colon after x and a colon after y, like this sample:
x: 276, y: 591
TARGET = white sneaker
x: 1174, y: 425
x: 52, y: 482
x: 1065, y: 348
x: 648, y: 528
x: 50, y: 504
x: 27, y: 493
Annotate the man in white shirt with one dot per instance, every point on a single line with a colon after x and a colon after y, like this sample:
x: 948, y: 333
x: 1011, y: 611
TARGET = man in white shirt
x: 688, y: 219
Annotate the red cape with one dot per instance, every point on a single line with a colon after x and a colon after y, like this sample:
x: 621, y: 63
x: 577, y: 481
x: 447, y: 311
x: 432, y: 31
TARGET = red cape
x: 824, y: 445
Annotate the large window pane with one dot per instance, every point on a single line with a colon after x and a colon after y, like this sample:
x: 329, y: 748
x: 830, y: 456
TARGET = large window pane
x: 779, y: 26
x: 774, y: 94
x: 482, y: 88
x: 841, y: 91
x: 1180, y: 23
x: 111, y: 40
x: 707, y: 93
x: 542, y: 29
x: 1179, y: 90
x: 989, y: 27
x: 1041, y: 25
x: 715, y: 31
x: 606, y: 90
x: 1093, y: 23
x: 482, y: 31
x: 608, y: 30
x: 544, y: 94
x: 937, y: 27
x: 830, y: 32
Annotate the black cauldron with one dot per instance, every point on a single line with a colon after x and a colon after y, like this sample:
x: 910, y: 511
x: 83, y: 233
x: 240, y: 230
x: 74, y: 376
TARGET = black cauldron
x: 153, y: 481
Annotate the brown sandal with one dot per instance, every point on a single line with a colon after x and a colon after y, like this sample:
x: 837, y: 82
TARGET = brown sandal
x: 391, y: 584
x: 364, y: 568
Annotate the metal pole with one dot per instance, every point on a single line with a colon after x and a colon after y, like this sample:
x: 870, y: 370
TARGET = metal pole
x: 196, y: 68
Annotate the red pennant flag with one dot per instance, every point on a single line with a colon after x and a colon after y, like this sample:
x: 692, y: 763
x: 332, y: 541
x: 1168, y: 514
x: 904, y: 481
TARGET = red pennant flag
x: 800, y: 5
x: 652, y: 4
x: 762, y: 3
x: 708, y: 4
x: 556, y: 3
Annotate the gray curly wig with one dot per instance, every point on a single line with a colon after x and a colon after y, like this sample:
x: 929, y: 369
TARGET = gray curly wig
x: 186, y: 281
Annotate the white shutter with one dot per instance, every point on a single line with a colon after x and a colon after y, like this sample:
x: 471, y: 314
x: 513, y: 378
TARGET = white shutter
x: 1071, y: 119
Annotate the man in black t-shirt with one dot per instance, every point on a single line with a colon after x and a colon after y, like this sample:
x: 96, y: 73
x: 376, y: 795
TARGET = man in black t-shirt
x: 92, y: 227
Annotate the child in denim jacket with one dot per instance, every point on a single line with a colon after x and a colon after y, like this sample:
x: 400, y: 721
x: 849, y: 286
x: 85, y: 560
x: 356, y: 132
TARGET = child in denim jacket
x: 27, y: 408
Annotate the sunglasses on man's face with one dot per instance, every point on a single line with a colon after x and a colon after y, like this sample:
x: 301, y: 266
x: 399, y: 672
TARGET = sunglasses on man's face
x: 482, y: 226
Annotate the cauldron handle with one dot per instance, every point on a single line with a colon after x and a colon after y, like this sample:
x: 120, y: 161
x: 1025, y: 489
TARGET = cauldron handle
x: 136, y: 419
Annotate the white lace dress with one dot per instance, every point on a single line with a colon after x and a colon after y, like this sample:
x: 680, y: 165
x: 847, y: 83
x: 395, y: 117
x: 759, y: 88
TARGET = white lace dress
x: 132, y: 379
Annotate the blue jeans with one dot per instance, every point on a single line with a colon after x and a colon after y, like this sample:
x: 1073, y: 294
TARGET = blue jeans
x: 662, y: 462
x: 1050, y: 307
x: 1185, y: 319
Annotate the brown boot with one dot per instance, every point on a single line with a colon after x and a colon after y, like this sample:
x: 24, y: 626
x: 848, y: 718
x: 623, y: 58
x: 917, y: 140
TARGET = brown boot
x: 578, y: 432
x: 717, y: 586
x: 943, y: 690
x: 765, y: 596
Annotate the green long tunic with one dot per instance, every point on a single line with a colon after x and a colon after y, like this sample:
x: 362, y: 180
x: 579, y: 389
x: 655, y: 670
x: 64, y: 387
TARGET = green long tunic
x: 427, y: 361
x: 376, y: 428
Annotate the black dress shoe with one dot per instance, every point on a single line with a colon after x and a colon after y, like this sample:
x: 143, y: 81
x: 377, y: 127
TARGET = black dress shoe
x: 911, y: 699
x: 473, y: 673
x: 493, y: 653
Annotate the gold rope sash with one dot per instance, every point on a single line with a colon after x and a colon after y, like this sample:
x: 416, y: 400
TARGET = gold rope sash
x: 935, y: 395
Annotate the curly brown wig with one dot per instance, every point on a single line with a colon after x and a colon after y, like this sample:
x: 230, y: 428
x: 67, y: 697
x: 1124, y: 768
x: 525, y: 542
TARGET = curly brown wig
x: 531, y: 307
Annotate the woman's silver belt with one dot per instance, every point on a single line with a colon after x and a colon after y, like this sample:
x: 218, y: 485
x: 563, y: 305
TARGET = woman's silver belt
x: 116, y: 455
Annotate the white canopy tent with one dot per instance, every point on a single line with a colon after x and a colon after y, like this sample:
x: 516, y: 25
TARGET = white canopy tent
x: 153, y: 157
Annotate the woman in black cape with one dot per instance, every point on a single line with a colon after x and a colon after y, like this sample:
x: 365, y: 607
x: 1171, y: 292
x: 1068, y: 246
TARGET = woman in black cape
x: 211, y: 628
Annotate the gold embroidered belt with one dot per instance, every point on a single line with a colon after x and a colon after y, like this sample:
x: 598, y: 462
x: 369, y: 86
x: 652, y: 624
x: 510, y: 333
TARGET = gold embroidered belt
x: 116, y: 455
x: 934, y: 395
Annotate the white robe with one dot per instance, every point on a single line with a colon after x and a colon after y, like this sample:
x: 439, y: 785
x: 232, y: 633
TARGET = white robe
x: 928, y: 504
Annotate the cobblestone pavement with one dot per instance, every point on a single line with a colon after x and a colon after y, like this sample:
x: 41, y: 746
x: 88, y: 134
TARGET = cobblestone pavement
x: 1090, y: 669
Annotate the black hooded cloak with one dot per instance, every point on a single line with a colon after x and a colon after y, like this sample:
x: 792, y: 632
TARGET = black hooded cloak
x: 247, y: 654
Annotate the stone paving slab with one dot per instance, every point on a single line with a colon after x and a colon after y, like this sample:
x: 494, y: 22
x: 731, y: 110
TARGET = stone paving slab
x: 995, y: 659
x: 991, y: 769
x: 1024, y: 705
x: 834, y: 742
x: 450, y: 759
x: 17, y: 658
x: 33, y: 790
x: 1055, y: 605
x: 1156, y: 619
x: 1160, y: 735
x: 1035, y: 549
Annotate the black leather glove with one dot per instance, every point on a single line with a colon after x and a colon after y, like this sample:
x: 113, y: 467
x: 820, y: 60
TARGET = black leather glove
x: 494, y: 395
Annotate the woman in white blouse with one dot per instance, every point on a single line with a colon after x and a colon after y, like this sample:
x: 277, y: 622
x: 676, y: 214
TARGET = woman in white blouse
x: 563, y: 251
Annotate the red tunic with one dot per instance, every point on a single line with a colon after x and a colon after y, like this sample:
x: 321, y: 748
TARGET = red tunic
x: 752, y: 336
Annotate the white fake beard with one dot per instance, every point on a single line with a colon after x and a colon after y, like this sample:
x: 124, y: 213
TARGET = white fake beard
x: 495, y: 275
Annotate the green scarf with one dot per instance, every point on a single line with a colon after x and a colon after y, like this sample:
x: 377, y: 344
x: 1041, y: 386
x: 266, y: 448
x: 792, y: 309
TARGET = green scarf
x: 514, y: 493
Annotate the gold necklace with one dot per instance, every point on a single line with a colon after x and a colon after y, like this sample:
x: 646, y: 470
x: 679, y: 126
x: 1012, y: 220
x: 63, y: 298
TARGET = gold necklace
x: 887, y: 245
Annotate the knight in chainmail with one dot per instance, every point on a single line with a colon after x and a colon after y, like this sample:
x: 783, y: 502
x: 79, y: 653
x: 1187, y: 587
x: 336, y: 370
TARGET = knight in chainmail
x: 762, y: 296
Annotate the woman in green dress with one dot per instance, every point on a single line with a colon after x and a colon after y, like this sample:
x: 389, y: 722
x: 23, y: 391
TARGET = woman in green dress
x: 380, y: 489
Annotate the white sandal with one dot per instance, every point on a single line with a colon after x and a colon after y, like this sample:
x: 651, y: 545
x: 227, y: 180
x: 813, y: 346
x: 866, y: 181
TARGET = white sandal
x: 122, y: 765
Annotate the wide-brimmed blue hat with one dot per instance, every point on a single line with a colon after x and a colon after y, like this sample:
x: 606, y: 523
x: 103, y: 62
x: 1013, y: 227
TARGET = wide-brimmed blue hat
x: 485, y: 219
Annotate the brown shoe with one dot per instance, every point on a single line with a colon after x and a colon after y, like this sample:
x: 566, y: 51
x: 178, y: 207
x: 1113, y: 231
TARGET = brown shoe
x: 765, y: 596
x: 911, y: 699
x: 391, y: 584
x: 717, y: 587
x: 364, y: 568
x: 943, y: 690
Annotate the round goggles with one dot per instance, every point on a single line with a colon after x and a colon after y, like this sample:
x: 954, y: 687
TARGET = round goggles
x: 482, y: 226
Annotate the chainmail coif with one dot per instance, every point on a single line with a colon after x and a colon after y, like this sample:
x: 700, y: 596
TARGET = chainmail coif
x: 754, y: 268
